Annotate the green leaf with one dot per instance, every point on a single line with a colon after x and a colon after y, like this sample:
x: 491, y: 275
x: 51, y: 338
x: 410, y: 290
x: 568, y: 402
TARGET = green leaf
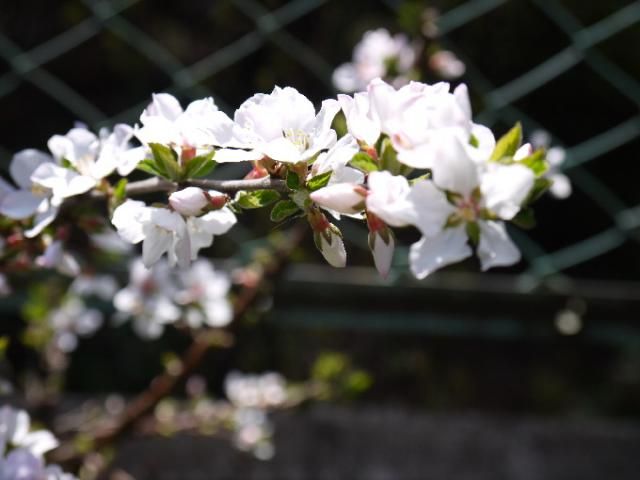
x: 67, y: 164
x: 319, y: 181
x: 293, y: 180
x: 199, y: 166
x: 149, y: 165
x: 508, y: 144
x: 389, y: 159
x: 364, y: 162
x: 166, y: 160
x: 536, y: 162
x: 473, y: 231
x: 473, y: 141
x: 426, y: 176
x: 525, y: 219
x: 540, y: 185
x: 119, y: 193
x: 256, y: 199
x: 284, y: 209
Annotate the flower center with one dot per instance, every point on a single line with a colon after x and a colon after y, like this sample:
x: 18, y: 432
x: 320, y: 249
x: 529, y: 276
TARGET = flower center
x: 298, y: 137
x: 468, y: 210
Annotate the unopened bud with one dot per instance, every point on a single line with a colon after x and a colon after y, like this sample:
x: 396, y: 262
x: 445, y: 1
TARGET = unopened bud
x: 523, y: 152
x: 258, y: 171
x: 331, y: 246
x: 189, y: 201
x: 382, y: 245
x: 188, y: 153
x: 341, y: 197
x: 216, y: 199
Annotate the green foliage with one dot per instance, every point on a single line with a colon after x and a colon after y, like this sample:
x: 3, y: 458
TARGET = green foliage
x: 536, y: 162
x: 283, y: 209
x: 364, y: 162
x: 319, y: 181
x: 508, y: 144
x: 199, y: 166
x: 389, y: 159
x: 340, y: 378
x: 256, y: 199
x: 540, y: 185
x: 293, y: 180
x: 525, y: 219
x: 166, y: 161
x: 473, y: 231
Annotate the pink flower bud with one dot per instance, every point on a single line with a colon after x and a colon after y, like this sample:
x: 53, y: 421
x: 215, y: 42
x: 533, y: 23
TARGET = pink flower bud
x: 189, y: 201
x: 341, y: 197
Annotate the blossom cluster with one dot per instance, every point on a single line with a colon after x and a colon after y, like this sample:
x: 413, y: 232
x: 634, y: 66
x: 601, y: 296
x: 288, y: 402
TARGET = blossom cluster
x: 22, y: 451
x: 411, y: 156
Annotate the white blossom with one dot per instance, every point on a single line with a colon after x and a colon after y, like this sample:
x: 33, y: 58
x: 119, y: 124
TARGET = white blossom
x: 481, y: 194
x: 159, y: 229
x: 22, y: 450
x: 556, y: 156
x: 377, y: 55
x: 204, y: 292
x: 147, y: 299
x: 196, y: 129
x: 284, y: 126
x: 446, y: 64
x: 56, y: 257
x: 29, y: 199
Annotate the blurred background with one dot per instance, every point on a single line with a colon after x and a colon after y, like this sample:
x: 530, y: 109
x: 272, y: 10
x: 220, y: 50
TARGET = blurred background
x: 523, y: 372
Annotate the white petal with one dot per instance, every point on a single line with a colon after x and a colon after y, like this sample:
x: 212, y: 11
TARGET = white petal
x: 39, y: 442
x: 218, y: 222
x: 430, y: 207
x: 156, y: 242
x: 431, y: 253
x: 345, y: 78
x: 341, y: 197
x: 227, y: 155
x: 46, y: 214
x: 129, y: 160
x: 61, y: 181
x: 162, y: 105
x: 496, y: 248
x: 283, y: 150
x: 504, y: 187
x: 219, y: 313
x: 20, y: 204
x: 24, y: 163
x: 382, y: 253
x: 361, y: 120
x: 388, y: 198
x: 456, y: 172
x: 129, y: 219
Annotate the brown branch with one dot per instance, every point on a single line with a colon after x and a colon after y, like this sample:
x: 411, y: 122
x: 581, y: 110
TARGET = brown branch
x: 155, y: 184
x: 165, y: 383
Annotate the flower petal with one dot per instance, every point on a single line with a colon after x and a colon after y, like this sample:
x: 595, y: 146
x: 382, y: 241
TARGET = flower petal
x: 496, y: 248
x: 20, y: 204
x: 504, y: 187
x: 24, y: 163
x: 431, y: 253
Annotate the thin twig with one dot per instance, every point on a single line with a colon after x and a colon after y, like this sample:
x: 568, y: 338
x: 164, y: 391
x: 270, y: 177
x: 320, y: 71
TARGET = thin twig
x: 165, y: 383
x: 155, y: 184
